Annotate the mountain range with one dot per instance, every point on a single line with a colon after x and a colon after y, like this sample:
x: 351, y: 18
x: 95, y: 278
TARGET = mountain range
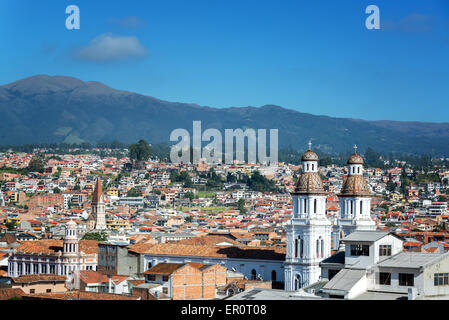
x: 46, y: 109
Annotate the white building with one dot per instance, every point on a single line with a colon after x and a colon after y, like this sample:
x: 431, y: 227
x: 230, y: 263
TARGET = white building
x: 373, y: 266
x: 59, y: 257
x: 355, y: 202
x: 309, y: 231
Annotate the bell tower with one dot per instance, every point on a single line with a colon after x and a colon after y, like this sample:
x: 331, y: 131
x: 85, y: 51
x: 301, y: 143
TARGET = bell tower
x: 97, y: 219
x: 309, y: 231
x: 355, y: 201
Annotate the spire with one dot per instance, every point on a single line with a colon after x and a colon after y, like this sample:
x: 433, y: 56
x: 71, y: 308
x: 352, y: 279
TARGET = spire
x: 98, y: 192
x: 355, y: 149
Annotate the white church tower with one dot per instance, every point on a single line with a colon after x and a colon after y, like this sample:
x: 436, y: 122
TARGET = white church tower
x: 70, y: 251
x: 309, y: 231
x: 355, y: 202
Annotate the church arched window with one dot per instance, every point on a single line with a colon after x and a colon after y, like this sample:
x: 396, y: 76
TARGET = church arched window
x: 361, y: 207
x: 297, y: 281
x: 314, y: 206
x: 322, y: 248
x: 253, y: 274
x: 305, y: 205
x: 301, y: 247
x: 296, y: 248
x: 307, y: 167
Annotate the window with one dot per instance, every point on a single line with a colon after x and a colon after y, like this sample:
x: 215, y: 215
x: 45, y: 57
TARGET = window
x: 385, y: 278
x: 301, y: 247
x: 384, y: 250
x: 361, y: 207
x: 406, y: 279
x: 296, y: 248
x: 165, y: 290
x: 48, y: 290
x: 32, y: 290
x: 273, y: 275
x: 314, y: 206
x: 359, y: 250
x: 253, y: 274
x: 151, y: 277
x: 322, y: 248
x: 441, y: 279
x: 164, y: 278
x: 305, y: 205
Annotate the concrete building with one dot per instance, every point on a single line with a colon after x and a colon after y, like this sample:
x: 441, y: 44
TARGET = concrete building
x: 375, y: 267
x: 115, y: 259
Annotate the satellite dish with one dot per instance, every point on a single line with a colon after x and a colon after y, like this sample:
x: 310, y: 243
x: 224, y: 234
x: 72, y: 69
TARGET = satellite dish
x: 233, y: 269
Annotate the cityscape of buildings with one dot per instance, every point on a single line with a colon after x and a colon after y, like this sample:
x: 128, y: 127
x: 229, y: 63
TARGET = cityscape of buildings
x: 99, y: 227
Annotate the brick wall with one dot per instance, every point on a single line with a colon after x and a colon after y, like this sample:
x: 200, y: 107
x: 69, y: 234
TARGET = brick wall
x: 189, y: 282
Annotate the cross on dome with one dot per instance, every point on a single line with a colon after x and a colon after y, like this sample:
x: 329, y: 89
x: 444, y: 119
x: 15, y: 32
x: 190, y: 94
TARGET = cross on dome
x: 355, y: 149
x: 310, y: 144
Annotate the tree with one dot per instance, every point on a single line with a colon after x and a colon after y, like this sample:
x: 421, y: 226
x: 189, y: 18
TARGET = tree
x: 188, y: 219
x: 98, y: 236
x: 391, y: 186
x: 134, y: 192
x: 56, y: 190
x: 36, y: 164
x: 139, y: 153
x: 231, y: 178
x: 58, y: 172
x: 190, y: 195
x: 11, y: 225
x: 241, y: 206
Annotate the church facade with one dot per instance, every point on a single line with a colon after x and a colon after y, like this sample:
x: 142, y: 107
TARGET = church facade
x: 309, y: 232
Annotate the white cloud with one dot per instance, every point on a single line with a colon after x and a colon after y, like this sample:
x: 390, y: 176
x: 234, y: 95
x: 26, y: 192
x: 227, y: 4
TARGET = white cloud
x: 128, y: 22
x: 108, y: 47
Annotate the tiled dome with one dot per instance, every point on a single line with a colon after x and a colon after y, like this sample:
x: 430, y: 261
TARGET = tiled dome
x: 309, y: 156
x: 355, y: 159
x: 309, y: 183
x: 355, y: 185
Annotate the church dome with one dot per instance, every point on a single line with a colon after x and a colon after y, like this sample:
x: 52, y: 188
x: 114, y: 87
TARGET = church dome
x: 355, y: 159
x: 309, y: 183
x: 355, y: 185
x: 309, y: 156
x: 71, y: 223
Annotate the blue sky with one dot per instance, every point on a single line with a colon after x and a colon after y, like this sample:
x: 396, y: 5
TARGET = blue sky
x: 311, y: 56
